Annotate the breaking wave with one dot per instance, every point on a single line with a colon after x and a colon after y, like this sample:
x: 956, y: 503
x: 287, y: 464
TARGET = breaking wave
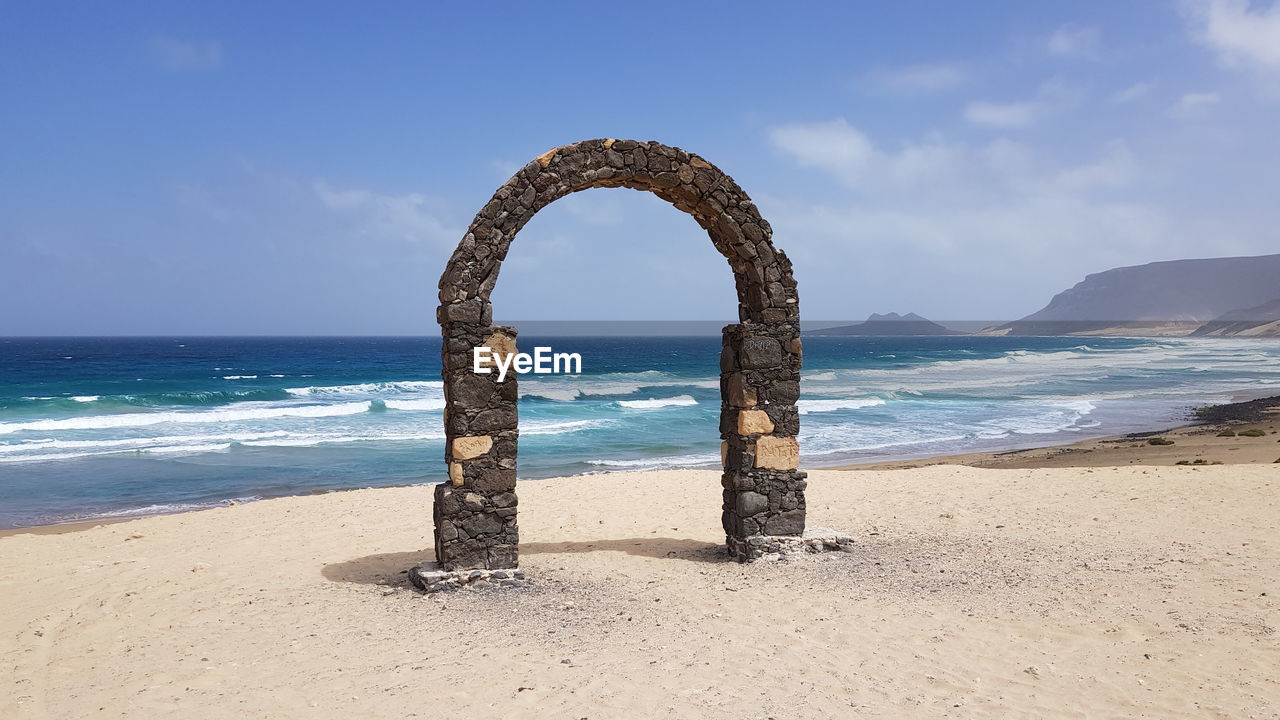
x: 652, y: 403
x: 819, y: 406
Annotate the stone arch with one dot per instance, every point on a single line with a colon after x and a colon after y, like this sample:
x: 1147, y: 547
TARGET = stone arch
x: 475, y: 510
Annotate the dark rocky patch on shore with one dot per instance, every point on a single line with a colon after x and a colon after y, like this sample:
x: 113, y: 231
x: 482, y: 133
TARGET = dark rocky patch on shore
x: 1250, y: 411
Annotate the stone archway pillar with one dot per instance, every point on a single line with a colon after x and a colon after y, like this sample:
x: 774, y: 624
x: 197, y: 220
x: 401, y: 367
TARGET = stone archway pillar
x: 759, y: 422
x: 475, y: 510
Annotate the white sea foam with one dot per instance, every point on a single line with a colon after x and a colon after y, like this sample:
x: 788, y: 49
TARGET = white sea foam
x: 653, y: 403
x: 182, y: 445
x: 576, y: 387
x: 844, y: 439
x: 239, y: 377
x: 85, y: 398
x: 559, y: 395
x: 238, y: 413
x: 1081, y: 406
x: 175, y: 449
x: 425, y: 404
x: 51, y: 449
x: 367, y: 389
x: 824, y: 405
x: 166, y: 508
x: 658, y: 463
x: 560, y: 427
x: 128, y: 444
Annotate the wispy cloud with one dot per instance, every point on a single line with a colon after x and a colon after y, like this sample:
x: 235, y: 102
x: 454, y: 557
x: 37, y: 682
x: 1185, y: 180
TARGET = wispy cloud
x: 918, y: 79
x: 1194, y: 104
x: 1019, y: 113
x: 991, y: 209
x: 1074, y: 41
x: 1003, y: 115
x: 177, y: 55
x: 834, y: 146
x: 410, y: 217
x: 935, y: 164
x: 1133, y: 93
x: 1241, y: 34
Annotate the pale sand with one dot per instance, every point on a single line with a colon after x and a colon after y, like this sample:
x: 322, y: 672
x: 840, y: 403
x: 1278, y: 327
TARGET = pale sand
x: 1131, y: 592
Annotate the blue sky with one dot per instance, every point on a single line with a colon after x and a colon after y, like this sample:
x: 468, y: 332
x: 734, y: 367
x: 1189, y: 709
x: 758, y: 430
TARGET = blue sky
x: 192, y: 168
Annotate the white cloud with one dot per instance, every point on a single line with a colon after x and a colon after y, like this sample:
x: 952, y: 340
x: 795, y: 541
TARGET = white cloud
x: 180, y: 55
x: 1194, y: 104
x: 410, y: 217
x: 1003, y: 213
x: 1134, y: 92
x: 1074, y: 41
x: 835, y: 146
x: 938, y: 167
x: 1242, y: 35
x: 919, y: 79
x: 1003, y: 115
x: 1020, y: 113
x: 602, y: 209
x: 1115, y: 167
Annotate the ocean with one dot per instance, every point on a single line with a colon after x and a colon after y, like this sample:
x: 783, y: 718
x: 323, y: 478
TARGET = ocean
x: 114, y: 427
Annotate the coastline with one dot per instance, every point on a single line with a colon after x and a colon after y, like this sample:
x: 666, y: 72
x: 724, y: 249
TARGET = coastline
x: 1194, y: 441
x: 1199, y: 443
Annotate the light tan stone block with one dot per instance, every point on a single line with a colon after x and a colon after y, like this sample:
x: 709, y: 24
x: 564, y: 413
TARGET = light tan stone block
x: 455, y: 474
x: 724, y: 451
x: 471, y: 446
x: 501, y: 345
x: 754, y: 422
x: 545, y: 158
x: 777, y: 453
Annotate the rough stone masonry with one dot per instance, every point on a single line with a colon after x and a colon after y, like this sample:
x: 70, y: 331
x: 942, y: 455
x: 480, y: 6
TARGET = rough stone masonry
x: 475, y: 511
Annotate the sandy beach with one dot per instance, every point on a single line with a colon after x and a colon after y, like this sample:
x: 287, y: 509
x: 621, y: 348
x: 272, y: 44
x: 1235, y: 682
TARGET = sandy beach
x: 1108, y: 592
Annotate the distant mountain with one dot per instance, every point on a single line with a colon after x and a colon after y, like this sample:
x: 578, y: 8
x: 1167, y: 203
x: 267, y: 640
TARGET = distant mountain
x: 888, y: 324
x: 1162, y: 298
x: 1263, y: 320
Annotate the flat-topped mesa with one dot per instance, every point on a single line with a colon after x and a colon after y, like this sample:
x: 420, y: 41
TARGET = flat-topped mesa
x: 888, y: 324
x: 475, y: 511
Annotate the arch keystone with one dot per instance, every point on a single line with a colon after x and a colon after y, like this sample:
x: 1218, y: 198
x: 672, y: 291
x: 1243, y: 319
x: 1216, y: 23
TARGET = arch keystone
x: 545, y: 158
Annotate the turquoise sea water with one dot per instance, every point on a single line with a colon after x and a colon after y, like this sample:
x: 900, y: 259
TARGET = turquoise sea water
x: 111, y: 427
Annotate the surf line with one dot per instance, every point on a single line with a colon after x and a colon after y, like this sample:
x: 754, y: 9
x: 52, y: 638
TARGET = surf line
x: 542, y: 362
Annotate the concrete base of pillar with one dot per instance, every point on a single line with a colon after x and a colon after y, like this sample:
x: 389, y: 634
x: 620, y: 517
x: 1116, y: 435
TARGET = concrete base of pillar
x: 429, y: 577
x: 814, y: 540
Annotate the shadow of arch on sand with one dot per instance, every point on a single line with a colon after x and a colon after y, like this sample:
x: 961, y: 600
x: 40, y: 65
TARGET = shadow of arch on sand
x: 389, y: 568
